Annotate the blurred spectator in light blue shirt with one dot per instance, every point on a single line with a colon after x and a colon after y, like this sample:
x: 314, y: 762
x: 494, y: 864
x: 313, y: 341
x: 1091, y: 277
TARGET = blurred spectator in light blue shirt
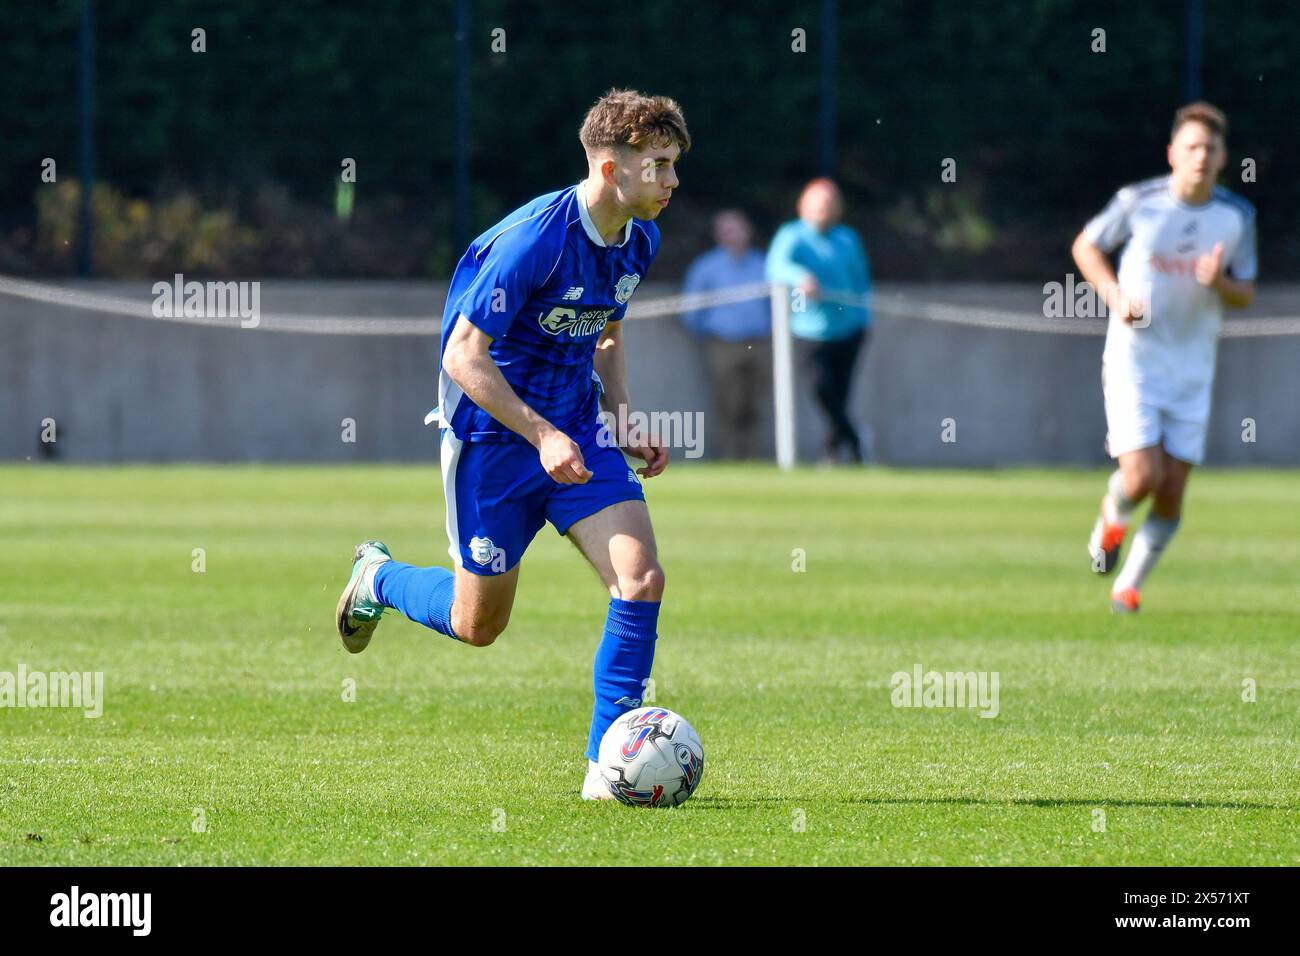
x: 736, y: 337
x: 824, y: 264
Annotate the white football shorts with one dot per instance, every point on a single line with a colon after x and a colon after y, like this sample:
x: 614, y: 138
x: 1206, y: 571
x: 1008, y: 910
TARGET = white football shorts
x: 1135, y: 420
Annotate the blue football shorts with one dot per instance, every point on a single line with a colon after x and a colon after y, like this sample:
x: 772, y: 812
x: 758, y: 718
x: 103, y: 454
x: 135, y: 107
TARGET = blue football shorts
x: 498, y: 496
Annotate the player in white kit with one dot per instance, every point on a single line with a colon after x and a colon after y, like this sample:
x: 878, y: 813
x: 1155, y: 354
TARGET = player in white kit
x: 1189, y: 250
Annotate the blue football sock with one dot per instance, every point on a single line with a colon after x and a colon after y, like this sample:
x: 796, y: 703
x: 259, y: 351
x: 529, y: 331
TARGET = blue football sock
x: 622, y: 665
x: 422, y: 594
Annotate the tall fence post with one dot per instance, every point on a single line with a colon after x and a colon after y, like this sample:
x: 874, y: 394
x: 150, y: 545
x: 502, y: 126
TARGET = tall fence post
x: 86, y: 97
x: 783, y: 377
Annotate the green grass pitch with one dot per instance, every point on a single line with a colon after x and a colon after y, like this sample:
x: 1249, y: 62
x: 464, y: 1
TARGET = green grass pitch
x: 226, y: 738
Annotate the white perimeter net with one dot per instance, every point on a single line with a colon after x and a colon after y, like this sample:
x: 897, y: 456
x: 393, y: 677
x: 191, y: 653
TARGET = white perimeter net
x: 900, y: 306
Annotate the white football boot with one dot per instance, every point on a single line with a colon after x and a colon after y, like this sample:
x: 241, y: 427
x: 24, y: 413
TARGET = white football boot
x: 594, y: 786
x: 358, y: 613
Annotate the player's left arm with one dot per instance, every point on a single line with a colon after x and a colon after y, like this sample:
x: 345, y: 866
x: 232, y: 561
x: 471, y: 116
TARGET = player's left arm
x: 1235, y: 293
x: 1233, y: 277
x: 611, y: 366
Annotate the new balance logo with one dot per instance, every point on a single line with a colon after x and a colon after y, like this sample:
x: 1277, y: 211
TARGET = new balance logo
x: 574, y: 293
x: 628, y: 702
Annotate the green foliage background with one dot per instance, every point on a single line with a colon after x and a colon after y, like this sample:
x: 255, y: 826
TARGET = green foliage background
x: 1043, y: 129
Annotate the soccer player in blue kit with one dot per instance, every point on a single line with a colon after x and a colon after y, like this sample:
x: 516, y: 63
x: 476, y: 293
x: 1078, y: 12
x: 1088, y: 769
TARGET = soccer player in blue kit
x: 532, y: 349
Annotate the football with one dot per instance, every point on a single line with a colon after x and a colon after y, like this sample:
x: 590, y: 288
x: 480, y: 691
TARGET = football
x: 651, y: 757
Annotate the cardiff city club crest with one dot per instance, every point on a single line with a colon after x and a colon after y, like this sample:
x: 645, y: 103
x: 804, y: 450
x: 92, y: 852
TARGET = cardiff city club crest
x: 625, y: 287
x: 482, y: 549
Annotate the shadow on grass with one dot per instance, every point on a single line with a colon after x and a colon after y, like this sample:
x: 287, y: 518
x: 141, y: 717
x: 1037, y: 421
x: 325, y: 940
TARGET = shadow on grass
x: 738, y: 803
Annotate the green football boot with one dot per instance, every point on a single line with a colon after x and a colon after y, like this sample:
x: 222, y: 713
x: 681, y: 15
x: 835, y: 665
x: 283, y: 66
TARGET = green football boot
x: 358, y: 612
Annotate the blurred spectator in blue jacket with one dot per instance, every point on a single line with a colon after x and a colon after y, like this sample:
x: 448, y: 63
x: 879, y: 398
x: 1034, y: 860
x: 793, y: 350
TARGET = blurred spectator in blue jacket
x: 825, y: 266
x: 736, y: 337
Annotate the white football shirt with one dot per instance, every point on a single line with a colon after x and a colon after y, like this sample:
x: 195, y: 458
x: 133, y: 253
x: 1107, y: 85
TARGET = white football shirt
x: 1170, y: 362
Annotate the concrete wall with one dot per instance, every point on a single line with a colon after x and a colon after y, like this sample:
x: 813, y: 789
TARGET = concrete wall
x: 132, y: 389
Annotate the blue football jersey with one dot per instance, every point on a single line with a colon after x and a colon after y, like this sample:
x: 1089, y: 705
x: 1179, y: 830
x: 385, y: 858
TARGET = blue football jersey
x: 543, y: 284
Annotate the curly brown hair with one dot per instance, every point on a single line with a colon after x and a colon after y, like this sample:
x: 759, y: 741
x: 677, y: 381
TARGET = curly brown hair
x: 629, y: 118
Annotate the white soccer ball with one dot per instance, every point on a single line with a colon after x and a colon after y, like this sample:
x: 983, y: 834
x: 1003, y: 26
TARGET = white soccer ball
x: 651, y: 757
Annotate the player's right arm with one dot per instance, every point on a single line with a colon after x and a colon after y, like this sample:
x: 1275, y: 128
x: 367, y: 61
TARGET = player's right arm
x: 467, y: 361
x: 1106, y: 232
x: 1095, y: 267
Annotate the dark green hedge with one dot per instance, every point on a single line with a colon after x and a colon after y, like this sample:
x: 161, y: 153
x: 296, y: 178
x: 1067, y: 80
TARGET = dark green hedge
x: 1042, y: 128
